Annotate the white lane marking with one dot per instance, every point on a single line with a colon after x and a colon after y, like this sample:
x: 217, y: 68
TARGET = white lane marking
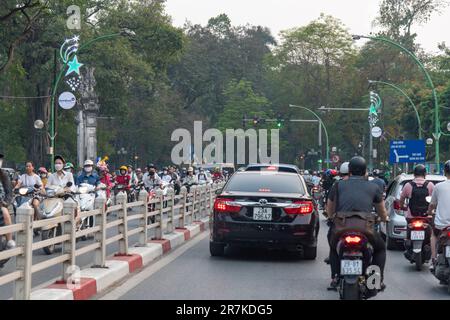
x: 123, y: 288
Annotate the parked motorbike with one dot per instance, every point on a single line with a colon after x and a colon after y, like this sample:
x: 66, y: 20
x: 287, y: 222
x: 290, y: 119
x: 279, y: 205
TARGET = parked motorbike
x: 417, y: 242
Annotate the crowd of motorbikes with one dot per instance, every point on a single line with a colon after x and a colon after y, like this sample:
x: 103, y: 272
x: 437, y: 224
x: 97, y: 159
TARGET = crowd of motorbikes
x: 358, y: 278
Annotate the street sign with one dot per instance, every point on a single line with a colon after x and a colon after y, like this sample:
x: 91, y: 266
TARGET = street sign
x: 407, y: 151
x: 377, y: 132
x: 67, y: 100
x: 429, y: 141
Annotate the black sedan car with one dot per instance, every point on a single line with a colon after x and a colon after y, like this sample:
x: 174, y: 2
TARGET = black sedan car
x: 265, y: 209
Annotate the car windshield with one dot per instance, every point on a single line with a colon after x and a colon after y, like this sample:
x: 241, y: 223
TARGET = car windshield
x: 403, y: 183
x: 272, y: 183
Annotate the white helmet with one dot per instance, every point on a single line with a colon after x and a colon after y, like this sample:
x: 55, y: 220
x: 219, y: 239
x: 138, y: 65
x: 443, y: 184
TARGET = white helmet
x: 88, y: 163
x: 306, y: 172
x: 344, y: 168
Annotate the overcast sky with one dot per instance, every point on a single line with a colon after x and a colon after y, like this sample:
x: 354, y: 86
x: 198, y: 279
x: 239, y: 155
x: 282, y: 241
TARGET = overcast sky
x: 278, y: 15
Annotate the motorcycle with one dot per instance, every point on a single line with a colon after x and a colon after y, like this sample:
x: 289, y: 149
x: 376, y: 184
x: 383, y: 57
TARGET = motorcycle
x: 3, y: 242
x: 355, y: 256
x: 442, y: 266
x: 52, y: 207
x: 417, y: 242
x: 101, y: 193
x: 25, y: 194
x: 86, y: 199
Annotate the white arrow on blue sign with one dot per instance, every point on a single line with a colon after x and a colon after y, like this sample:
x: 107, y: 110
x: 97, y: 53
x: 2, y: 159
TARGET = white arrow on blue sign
x: 407, y: 151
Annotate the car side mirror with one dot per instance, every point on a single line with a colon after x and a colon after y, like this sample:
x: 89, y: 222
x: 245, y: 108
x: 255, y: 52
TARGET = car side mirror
x: 219, y: 191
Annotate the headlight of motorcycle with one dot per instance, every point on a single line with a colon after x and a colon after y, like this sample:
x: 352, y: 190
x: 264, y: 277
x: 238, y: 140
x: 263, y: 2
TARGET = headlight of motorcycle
x: 23, y: 191
x: 83, y: 190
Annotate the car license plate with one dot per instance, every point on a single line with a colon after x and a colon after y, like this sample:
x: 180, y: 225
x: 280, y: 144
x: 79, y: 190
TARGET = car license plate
x: 262, y: 214
x: 417, y: 235
x: 351, y: 267
x: 447, y: 251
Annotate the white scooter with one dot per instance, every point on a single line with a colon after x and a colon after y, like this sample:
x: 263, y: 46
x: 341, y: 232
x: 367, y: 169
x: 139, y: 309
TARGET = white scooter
x: 86, y: 199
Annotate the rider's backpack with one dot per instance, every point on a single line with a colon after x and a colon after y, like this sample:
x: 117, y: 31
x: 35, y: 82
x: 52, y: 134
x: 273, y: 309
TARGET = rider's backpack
x: 418, y: 204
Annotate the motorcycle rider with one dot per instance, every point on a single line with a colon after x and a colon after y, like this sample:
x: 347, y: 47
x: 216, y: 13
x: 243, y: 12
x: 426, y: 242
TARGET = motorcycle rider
x: 151, y: 179
x: 61, y: 178
x: 202, y: 177
x: 356, y: 194
x: 139, y: 175
x: 166, y: 176
x: 70, y: 168
x: 190, y: 178
x: 124, y: 178
x: 378, y: 181
x: 315, y: 179
x: 30, y: 180
x: 217, y: 175
x: 134, y: 180
x: 43, y: 173
x: 175, y: 179
x: 344, y: 171
x: 5, y: 201
x: 105, y: 179
x: 88, y: 175
x: 418, y: 206
x: 440, y: 201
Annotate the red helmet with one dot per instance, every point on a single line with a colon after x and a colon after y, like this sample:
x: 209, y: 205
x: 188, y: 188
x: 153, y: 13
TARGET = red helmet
x: 43, y: 170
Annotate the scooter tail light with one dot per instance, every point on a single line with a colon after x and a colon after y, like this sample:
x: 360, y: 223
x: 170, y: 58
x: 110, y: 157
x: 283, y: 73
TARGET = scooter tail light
x: 353, y: 240
x: 417, y: 224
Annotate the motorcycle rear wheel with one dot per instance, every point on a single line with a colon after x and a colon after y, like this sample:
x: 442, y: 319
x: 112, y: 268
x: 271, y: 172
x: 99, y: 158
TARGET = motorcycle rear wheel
x: 48, y: 234
x: 418, y: 260
x: 350, y: 291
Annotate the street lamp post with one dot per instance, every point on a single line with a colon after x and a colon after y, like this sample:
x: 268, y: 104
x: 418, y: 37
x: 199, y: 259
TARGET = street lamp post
x: 437, y: 128
x: 321, y: 124
x: 58, y: 80
x: 407, y: 97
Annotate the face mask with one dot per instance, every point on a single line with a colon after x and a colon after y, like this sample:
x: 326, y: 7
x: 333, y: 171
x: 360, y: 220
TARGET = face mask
x: 152, y: 173
x: 59, y: 167
x: 88, y: 169
x: 43, y: 175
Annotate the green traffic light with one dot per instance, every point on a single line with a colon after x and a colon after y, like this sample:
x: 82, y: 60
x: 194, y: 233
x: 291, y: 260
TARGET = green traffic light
x: 279, y: 124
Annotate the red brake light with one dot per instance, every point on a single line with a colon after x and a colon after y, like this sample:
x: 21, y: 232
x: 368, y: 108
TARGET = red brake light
x: 272, y: 168
x: 417, y: 224
x: 448, y: 234
x: 353, y: 240
x: 264, y: 190
x: 225, y: 205
x: 300, y: 207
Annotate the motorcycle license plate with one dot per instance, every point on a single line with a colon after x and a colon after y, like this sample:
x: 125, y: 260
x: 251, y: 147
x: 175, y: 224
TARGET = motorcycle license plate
x: 351, y: 267
x: 417, y: 235
x: 262, y: 214
x: 447, y: 251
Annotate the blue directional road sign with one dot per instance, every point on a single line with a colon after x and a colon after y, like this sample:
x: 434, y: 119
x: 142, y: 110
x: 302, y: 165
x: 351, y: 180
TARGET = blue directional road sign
x: 407, y: 151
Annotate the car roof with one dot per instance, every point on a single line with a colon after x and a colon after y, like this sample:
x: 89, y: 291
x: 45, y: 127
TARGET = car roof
x: 432, y: 177
x: 280, y: 165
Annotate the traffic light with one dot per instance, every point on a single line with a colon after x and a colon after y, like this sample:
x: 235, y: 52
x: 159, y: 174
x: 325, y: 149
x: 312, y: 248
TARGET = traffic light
x: 279, y: 121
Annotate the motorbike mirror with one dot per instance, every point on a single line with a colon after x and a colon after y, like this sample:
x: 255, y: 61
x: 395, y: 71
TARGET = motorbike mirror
x: 69, y: 184
x: 428, y: 199
x: 23, y: 191
x: 36, y: 186
x: 219, y: 191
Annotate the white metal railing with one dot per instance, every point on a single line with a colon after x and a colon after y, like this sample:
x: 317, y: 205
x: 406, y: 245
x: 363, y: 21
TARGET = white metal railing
x: 183, y: 209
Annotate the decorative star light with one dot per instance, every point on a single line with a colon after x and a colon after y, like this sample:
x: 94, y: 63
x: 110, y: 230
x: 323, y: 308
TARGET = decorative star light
x: 74, y: 82
x: 74, y: 66
x: 76, y: 38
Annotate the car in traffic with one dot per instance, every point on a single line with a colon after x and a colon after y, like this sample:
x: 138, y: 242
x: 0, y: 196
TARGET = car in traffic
x: 281, y: 167
x: 265, y: 209
x: 395, y: 230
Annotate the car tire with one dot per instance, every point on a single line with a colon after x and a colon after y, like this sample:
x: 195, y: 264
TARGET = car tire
x: 390, y: 243
x: 216, y: 249
x: 309, y: 253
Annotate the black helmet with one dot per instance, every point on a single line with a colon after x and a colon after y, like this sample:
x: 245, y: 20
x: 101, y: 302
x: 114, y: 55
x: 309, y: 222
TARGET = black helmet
x: 447, y: 167
x: 357, y: 166
x: 150, y: 166
x: 420, y: 170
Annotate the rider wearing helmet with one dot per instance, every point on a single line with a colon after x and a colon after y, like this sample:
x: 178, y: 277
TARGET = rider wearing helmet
x: 124, y: 178
x: 151, y: 179
x: 133, y: 176
x: 166, y: 177
x: 356, y: 194
x: 217, y: 175
x: 5, y: 201
x: 69, y: 168
x: 344, y: 171
x: 378, y: 181
x: 88, y: 175
x: 43, y: 174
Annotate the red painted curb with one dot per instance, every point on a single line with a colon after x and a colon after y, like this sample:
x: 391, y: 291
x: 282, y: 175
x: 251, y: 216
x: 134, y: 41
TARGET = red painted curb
x: 87, y: 288
x: 187, y: 233
x: 201, y: 224
x: 164, y: 243
x: 134, y: 261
